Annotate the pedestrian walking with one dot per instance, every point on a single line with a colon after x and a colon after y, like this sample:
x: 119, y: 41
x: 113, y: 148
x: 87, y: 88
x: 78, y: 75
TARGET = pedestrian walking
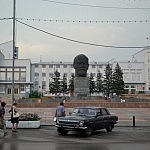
x: 14, y: 117
x: 2, y: 119
x: 60, y: 110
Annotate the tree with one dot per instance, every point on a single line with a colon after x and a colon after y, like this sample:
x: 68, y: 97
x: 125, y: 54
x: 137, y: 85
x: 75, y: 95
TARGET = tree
x: 99, y: 85
x: 71, y: 85
x: 55, y: 85
x: 117, y: 80
x: 64, y: 84
x: 91, y: 84
x: 107, y: 82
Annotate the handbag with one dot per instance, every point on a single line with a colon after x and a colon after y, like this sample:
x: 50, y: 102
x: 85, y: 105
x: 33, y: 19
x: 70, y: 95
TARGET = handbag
x: 54, y: 119
x: 15, y: 114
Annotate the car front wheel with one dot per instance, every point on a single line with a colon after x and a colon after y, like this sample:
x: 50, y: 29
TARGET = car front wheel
x: 88, y: 131
x: 109, y: 128
x: 62, y: 131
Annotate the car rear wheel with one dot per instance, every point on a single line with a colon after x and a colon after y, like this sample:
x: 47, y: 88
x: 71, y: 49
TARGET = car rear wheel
x: 62, y: 131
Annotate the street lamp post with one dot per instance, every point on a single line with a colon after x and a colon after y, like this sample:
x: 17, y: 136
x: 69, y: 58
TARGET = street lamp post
x: 14, y: 47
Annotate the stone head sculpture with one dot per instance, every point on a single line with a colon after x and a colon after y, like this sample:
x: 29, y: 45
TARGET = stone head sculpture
x: 80, y: 65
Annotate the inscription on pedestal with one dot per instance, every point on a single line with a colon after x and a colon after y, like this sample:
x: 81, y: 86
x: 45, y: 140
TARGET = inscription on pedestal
x: 81, y: 87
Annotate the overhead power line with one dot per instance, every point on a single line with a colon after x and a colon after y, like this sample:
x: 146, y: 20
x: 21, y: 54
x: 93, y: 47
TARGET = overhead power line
x: 97, y: 6
x: 5, y: 42
x: 80, y: 42
x: 85, y: 21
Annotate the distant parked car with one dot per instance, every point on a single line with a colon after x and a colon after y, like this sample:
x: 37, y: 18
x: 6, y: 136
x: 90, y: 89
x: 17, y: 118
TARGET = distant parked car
x: 86, y: 120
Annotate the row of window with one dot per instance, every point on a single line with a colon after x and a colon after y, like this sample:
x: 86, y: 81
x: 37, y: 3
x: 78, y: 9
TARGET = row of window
x: 63, y: 66
x: 127, y: 76
x: 53, y: 66
x: 5, y: 69
x: 134, y: 76
x: 21, y: 88
x: 36, y: 74
x: 19, y: 74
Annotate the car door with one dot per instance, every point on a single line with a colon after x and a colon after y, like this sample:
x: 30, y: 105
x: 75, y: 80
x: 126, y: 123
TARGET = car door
x: 106, y: 116
x: 99, y: 120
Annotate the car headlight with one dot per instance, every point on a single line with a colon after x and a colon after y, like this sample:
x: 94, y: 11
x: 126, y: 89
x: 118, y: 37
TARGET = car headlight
x: 81, y: 123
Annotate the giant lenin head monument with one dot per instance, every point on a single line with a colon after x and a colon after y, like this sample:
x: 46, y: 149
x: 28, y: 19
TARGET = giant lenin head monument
x: 81, y: 81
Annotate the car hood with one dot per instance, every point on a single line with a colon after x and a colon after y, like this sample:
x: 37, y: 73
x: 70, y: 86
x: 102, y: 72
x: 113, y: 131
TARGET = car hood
x: 76, y: 117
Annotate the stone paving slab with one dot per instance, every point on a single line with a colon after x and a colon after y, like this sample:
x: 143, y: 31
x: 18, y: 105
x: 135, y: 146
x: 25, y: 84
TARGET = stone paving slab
x: 142, y: 115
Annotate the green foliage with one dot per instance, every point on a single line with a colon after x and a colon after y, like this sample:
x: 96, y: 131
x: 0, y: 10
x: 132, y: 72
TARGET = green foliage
x: 35, y: 94
x: 112, y: 82
x: 117, y: 81
x: 99, y: 83
x: 140, y: 92
x: 55, y: 86
x: 64, y: 84
x: 91, y: 84
x: 107, y: 82
x: 71, y: 84
x: 29, y: 117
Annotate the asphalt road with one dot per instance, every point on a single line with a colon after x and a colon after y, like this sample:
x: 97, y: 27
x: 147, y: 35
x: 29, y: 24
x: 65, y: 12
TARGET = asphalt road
x: 46, y: 138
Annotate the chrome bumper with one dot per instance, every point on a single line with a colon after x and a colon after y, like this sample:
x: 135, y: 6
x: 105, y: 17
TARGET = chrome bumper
x: 70, y: 127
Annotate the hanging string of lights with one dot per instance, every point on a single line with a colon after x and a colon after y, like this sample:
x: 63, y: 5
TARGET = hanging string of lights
x: 86, y: 21
x: 5, y: 18
x: 81, y: 21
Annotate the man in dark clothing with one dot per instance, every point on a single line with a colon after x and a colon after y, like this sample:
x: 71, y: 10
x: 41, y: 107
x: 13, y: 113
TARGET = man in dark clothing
x: 60, y: 111
x: 2, y: 109
x: 2, y: 113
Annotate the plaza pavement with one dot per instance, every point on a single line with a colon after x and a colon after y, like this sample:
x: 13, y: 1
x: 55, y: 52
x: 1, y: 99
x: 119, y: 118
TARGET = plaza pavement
x: 45, y: 138
x: 125, y: 115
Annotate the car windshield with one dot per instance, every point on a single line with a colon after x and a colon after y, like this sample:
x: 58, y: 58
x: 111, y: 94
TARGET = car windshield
x: 84, y: 111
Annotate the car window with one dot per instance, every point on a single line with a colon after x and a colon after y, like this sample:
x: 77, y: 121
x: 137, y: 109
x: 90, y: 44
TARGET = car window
x: 83, y: 111
x: 92, y: 112
x: 104, y: 112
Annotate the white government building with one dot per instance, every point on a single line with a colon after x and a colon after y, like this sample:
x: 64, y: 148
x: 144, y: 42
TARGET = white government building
x: 36, y: 76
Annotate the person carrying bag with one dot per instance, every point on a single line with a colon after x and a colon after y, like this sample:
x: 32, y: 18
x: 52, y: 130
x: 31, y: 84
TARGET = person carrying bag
x: 14, y: 117
x: 2, y: 119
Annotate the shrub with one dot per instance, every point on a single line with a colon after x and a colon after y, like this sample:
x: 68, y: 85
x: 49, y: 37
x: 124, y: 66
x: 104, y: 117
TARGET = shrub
x: 29, y: 117
x: 35, y: 94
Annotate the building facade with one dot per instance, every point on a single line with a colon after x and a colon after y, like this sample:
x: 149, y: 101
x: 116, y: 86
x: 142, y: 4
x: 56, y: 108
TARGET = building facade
x: 42, y: 73
x: 144, y: 56
x: 37, y: 76
x: 22, y: 77
x: 133, y: 76
x: 136, y: 72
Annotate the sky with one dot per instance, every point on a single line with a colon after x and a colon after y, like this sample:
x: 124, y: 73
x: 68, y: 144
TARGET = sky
x: 61, y: 29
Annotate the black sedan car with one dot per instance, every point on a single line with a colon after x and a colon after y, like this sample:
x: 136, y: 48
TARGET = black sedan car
x: 86, y: 120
